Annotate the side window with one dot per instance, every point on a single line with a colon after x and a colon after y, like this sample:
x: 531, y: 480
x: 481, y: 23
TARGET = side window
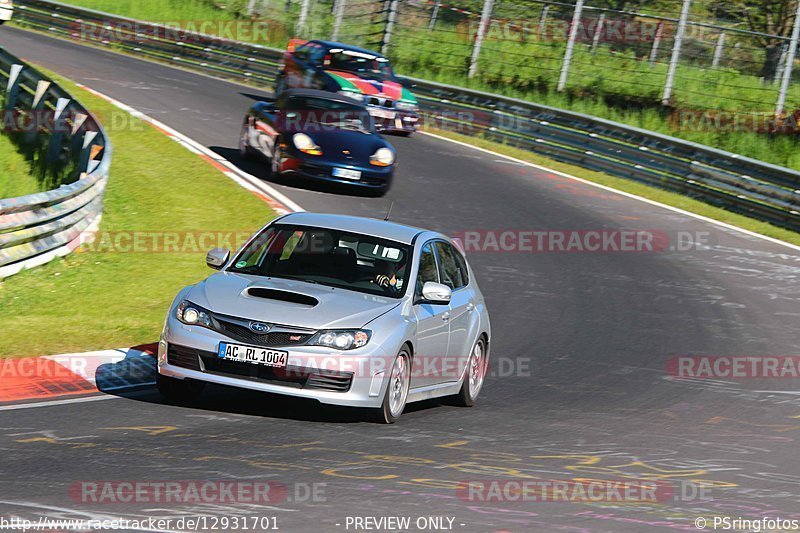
x: 316, y: 55
x: 453, y: 273
x: 427, y: 268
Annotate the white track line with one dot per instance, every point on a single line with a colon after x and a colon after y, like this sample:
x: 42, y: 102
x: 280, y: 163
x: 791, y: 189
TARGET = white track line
x: 246, y: 180
x: 52, y: 403
x: 623, y: 193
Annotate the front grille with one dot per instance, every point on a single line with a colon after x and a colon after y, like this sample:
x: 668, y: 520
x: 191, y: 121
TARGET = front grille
x: 183, y: 357
x: 380, y: 102
x: 277, y: 338
x: 291, y: 376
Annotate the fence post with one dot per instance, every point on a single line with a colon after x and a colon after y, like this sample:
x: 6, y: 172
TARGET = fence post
x: 389, y: 28
x: 301, y: 22
x: 339, y: 14
x: 598, y: 31
x: 434, y: 15
x: 718, y: 50
x: 676, y: 52
x: 543, y: 21
x: 787, y: 71
x: 12, y: 89
x: 251, y: 8
x: 573, y: 34
x: 656, y: 42
x: 781, y: 64
x: 486, y: 17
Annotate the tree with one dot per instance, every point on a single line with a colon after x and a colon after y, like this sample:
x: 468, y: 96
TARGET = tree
x: 772, y: 17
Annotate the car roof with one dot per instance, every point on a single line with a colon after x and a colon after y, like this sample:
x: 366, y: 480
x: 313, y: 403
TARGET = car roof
x: 366, y: 226
x: 325, y: 95
x: 334, y: 44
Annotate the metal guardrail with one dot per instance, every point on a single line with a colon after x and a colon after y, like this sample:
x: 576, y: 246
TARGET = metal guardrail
x: 66, y: 138
x: 763, y: 191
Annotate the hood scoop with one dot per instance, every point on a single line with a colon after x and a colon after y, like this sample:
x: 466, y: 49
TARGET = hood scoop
x: 282, y: 296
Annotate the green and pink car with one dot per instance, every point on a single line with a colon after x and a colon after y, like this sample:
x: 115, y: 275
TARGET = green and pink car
x: 356, y: 73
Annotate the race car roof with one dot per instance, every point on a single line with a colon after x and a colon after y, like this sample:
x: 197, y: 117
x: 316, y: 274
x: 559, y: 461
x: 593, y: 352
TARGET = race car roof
x: 343, y: 46
x: 325, y: 95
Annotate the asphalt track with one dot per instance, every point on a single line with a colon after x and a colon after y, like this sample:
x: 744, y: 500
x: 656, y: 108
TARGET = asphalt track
x: 597, y: 329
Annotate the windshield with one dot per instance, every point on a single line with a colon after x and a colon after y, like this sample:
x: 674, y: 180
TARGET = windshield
x: 360, y: 63
x: 303, y: 112
x: 328, y: 257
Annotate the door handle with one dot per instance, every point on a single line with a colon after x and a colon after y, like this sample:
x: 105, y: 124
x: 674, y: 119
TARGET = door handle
x: 446, y: 316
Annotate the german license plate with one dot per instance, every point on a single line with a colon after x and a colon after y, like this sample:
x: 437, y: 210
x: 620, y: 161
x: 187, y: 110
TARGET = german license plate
x: 347, y: 173
x: 253, y: 355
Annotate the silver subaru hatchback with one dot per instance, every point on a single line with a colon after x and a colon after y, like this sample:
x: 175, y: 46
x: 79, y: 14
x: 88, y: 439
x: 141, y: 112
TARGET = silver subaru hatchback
x: 345, y: 310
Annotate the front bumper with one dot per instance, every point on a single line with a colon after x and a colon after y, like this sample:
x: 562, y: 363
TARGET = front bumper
x: 393, y: 121
x: 371, y: 178
x: 356, y: 378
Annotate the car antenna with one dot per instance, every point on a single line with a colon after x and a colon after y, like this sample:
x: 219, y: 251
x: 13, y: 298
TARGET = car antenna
x: 389, y: 212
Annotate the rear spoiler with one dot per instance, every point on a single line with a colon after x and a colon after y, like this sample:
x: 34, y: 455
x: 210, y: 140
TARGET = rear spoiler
x: 294, y: 43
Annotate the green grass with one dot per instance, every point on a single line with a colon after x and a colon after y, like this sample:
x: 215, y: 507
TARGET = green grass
x: 16, y: 174
x: 98, y: 300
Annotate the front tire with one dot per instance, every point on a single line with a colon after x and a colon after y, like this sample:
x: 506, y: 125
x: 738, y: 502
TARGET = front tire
x: 180, y: 390
x: 396, y: 396
x: 476, y: 372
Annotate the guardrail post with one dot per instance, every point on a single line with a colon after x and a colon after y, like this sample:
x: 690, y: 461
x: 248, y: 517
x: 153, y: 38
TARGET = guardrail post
x: 389, y: 28
x: 573, y: 34
x: 338, y: 11
x: 676, y: 52
x: 718, y: 50
x: 656, y: 42
x: 12, y: 89
x: 37, y: 105
x: 543, y: 21
x: 434, y: 15
x: 86, y: 151
x: 57, y: 133
x: 486, y: 17
x: 787, y: 72
x: 598, y: 32
x: 301, y: 22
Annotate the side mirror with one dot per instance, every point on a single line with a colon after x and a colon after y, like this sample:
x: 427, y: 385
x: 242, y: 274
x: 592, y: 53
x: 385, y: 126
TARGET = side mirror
x: 217, y: 258
x: 436, y: 293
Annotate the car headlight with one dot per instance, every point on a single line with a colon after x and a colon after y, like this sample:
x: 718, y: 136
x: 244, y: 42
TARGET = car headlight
x: 382, y: 158
x: 349, y: 339
x: 407, y: 106
x: 306, y: 144
x: 193, y: 315
x: 352, y: 94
